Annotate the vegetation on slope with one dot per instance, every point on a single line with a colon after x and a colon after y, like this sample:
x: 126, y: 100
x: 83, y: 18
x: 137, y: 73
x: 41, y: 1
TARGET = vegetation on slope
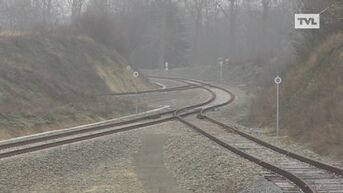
x: 311, y: 100
x: 50, y: 80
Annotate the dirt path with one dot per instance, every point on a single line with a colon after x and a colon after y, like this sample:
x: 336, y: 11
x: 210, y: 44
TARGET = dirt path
x: 150, y: 167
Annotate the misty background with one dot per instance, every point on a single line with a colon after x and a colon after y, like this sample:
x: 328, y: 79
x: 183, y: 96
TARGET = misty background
x: 257, y: 36
x: 181, y: 32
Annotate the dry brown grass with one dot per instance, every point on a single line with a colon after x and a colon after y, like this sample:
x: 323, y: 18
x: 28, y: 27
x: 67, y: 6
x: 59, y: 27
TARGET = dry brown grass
x: 47, y: 81
x: 9, y: 34
x: 312, y: 100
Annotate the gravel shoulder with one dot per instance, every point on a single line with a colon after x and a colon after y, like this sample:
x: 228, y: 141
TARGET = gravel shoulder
x: 101, y: 165
x: 150, y: 167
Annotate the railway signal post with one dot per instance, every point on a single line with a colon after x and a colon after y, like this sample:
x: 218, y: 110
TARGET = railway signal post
x: 166, y: 67
x: 221, y: 63
x: 278, y: 81
x: 136, y: 75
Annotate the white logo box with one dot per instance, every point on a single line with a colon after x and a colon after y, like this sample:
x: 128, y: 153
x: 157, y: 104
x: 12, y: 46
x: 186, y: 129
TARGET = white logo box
x: 307, y: 21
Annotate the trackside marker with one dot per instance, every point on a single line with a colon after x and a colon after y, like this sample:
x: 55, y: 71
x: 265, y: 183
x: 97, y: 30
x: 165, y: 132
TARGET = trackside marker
x: 136, y: 75
x: 221, y: 63
x: 277, y: 81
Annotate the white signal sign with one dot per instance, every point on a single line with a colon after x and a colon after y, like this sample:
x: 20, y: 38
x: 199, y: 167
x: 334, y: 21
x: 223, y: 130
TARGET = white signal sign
x: 135, y: 74
x: 278, y: 80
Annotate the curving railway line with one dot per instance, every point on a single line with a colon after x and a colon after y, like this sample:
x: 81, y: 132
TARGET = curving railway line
x: 14, y: 148
x: 95, y: 127
x: 293, y: 173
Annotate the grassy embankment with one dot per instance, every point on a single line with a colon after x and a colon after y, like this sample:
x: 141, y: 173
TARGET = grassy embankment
x: 51, y: 82
x: 311, y: 100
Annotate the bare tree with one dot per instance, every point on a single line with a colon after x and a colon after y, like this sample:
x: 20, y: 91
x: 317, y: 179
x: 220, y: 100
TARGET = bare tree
x: 77, y: 8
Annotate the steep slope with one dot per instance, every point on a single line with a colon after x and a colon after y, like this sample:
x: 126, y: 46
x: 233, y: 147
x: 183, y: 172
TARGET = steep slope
x: 52, y: 78
x: 311, y: 100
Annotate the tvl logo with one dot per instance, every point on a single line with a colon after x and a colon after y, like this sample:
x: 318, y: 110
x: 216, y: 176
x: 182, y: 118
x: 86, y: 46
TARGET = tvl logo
x: 307, y: 21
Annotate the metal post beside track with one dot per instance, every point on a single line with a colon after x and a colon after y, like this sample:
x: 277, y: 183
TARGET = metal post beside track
x: 278, y: 81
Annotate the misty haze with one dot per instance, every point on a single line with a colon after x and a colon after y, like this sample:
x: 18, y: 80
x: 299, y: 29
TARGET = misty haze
x: 171, y: 96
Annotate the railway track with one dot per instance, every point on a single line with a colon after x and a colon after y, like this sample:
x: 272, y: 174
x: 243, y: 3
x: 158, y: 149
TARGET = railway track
x: 179, y: 88
x: 292, y: 172
x: 323, y: 178
x: 16, y: 148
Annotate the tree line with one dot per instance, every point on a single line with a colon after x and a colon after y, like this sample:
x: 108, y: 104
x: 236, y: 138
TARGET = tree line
x: 150, y: 33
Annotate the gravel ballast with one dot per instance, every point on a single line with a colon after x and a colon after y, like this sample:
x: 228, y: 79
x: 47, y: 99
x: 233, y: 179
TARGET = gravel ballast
x: 108, y: 164
x: 261, y: 185
x: 101, y: 165
x: 199, y: 165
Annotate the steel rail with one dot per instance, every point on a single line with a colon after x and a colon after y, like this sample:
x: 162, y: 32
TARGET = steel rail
x: 306, y: 188
x: 321, y: 165
x: 303, y: 185
x: 101, y: 134
x: 178, y: 115
x: 324, y: 166
x: 180, y: 88
x: 78, y: 139
x: 95, y: 128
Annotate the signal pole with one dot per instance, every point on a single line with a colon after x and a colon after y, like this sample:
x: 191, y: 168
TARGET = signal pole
x: 220, y: 62
x: 136, y: 75
x: 278, y: 81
